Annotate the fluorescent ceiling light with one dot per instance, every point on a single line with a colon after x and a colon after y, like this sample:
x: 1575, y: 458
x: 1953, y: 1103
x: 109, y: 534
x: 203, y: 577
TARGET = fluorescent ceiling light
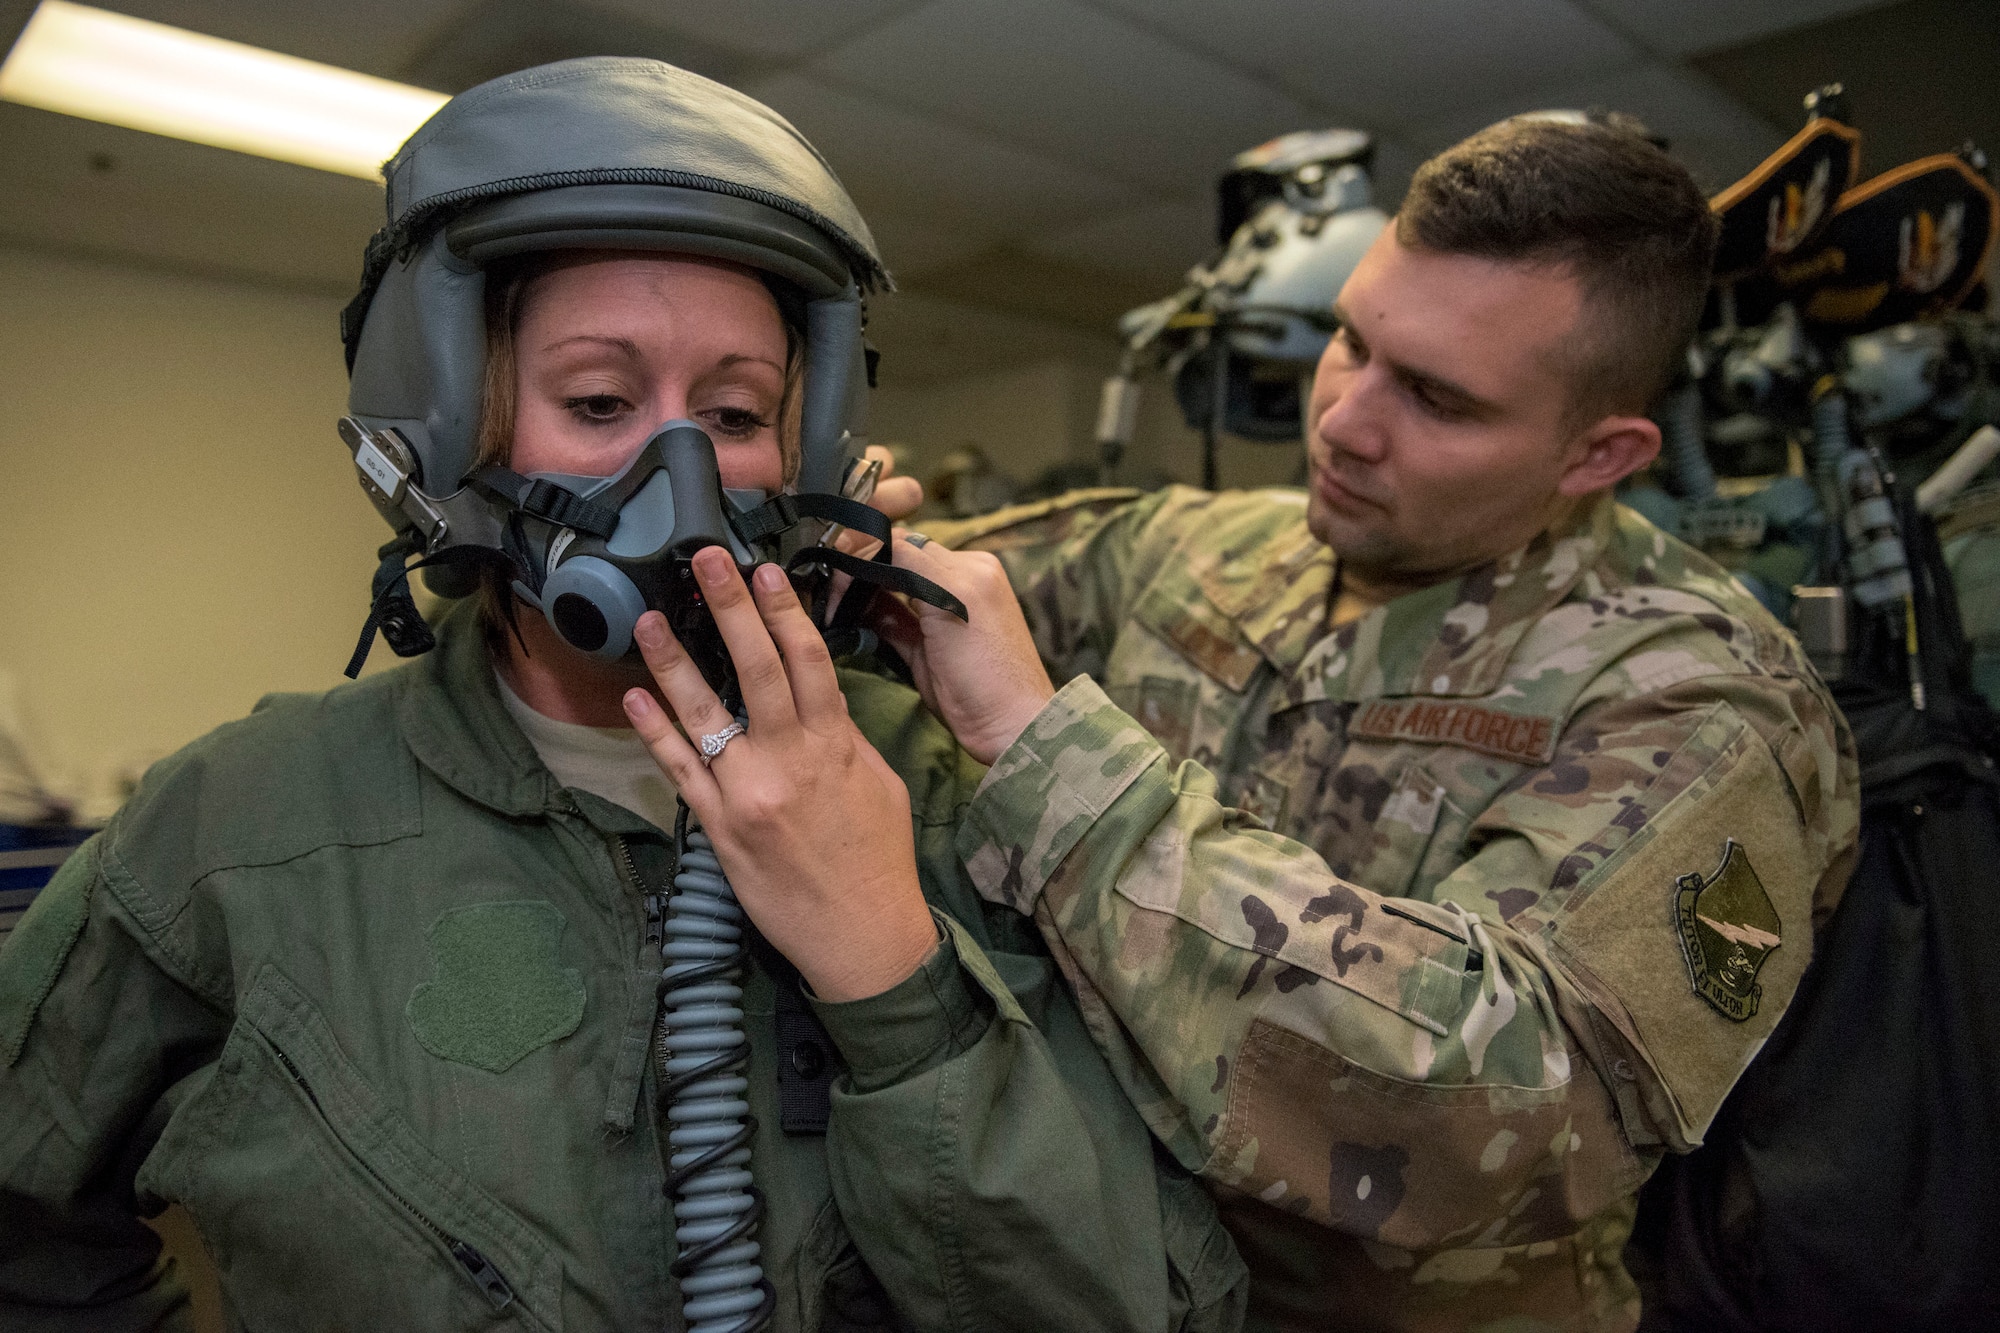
x: 147, y: 76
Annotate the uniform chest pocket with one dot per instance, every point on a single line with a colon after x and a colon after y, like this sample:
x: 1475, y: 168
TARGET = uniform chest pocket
x: 1372, y: 814
x: 321, y: 1206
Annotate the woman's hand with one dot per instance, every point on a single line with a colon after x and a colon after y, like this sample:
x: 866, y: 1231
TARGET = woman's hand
x: 982, y: 676
x: 809, y: 821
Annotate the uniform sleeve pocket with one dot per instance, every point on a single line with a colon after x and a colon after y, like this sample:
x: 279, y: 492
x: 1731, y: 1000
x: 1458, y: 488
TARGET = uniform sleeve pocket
x: 309, y: 1189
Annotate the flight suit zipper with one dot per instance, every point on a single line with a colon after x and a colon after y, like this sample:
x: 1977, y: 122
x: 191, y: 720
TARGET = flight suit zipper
x: 655, y: 905
x: 491, y: 1281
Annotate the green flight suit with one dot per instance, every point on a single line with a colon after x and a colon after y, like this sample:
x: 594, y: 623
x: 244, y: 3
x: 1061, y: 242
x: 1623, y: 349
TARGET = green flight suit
x: 361, y: 986
x: 1421, y: 938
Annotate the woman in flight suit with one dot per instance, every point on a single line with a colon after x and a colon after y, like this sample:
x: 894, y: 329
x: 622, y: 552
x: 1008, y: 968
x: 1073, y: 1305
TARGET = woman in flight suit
x: 370, y: 981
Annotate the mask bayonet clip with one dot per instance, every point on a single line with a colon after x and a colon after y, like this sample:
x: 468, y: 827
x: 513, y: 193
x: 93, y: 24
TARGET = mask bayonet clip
x: 386, y: 464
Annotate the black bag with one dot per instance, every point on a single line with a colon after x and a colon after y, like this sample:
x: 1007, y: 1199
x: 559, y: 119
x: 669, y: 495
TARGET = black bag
x: 1852, y: 1179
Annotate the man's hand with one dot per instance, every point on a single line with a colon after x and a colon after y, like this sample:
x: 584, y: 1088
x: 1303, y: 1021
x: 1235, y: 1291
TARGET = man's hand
x: 897, y: 497
x: 981, y: 676
x: 809, y: 821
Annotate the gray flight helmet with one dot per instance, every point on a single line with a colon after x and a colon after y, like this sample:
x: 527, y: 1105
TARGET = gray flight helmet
x: 598, y: 153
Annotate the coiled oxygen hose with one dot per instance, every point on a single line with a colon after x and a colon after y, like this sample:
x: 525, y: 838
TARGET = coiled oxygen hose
x: 704, y: 1055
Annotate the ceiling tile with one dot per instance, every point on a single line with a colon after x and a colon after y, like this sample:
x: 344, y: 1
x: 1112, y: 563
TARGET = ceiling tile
x: 1157, y: 243
x: 1387, y: 64
x: 928, y: 168
x: 79, y: 186
x: 1688, y: 26
x: 1707, y: 129
x: 1072, y: 82
x: 501, y: 36
x: 781, y: 29
x: 374, y: 36
x: 1395, y: 163
x: 912, y: 247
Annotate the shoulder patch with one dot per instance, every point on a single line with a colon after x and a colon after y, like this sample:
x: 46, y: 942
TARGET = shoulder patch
x: 1494, y: 731
x: 1728, y: 926
x: 34, y: 954
x: 500, y: 990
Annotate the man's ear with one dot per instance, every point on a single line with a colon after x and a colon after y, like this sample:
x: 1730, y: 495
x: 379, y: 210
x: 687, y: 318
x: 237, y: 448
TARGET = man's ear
x: 1607, y: 453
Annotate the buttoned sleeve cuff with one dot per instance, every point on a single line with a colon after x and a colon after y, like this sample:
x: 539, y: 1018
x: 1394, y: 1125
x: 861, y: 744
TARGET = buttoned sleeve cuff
x: 1047, y: 789
x: 935, y: 1013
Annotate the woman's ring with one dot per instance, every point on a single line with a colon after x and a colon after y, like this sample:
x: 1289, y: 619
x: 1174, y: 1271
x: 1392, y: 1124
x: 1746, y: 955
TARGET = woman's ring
x: 917, y: 539
x: 711, y: 744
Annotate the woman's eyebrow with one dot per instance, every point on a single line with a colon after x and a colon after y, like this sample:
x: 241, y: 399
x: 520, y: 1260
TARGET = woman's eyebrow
x: 736, y: 358
x: 624, y: 346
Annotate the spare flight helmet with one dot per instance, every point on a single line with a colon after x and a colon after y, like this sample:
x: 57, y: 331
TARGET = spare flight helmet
x: 1241, y: 336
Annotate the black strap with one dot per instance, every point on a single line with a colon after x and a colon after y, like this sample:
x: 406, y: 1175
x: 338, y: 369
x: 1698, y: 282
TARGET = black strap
x: 393, y: 611
x: 544, y: 499
x: 808, y: 1061
x: 848, y: 513
x: 782, y: 511
x: 878, y: 571
x: 882, y: 574
x: 766, y: 520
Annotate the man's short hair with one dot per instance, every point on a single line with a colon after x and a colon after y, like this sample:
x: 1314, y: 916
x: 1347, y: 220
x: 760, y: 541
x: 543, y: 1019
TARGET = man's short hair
x: 1601, y: 200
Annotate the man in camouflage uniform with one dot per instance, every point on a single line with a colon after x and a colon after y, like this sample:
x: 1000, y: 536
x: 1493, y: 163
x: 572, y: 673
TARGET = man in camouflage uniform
x: 1430, y: 852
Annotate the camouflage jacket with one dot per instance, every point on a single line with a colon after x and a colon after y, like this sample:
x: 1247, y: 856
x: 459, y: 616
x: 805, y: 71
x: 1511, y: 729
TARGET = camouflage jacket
x: 1421, y: 939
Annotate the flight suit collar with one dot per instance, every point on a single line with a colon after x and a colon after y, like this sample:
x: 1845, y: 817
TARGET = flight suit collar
x: 455, y: 722
x: 1455, y: 639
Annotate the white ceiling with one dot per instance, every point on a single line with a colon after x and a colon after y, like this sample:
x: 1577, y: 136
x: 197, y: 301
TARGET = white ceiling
x: 1047, y: 144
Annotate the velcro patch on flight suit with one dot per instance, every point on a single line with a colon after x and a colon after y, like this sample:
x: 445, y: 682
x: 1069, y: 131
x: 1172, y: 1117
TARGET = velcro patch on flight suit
x: 1494, y: 731
x: 500, y: 990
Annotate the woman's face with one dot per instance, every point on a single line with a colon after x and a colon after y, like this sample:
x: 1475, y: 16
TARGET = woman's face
x: 611, y: 346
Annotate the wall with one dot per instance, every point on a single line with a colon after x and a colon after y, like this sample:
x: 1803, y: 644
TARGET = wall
x: 1030, y: 417
x: 183, y: 533
x: 1026, y: 418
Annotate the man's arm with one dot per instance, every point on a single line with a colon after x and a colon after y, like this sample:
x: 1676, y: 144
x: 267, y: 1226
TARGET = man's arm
x: 90, y: 1031
x: 1423, y: 1075
x: 1070, y: 561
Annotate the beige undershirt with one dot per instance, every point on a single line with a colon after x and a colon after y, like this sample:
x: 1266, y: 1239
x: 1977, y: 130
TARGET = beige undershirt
x: 611, y: 762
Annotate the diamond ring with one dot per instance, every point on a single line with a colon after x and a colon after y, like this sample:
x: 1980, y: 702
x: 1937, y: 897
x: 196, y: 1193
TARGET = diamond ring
x: 711, y: 744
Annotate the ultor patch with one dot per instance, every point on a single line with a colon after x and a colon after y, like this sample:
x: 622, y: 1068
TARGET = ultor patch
x: 1728, y: 927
